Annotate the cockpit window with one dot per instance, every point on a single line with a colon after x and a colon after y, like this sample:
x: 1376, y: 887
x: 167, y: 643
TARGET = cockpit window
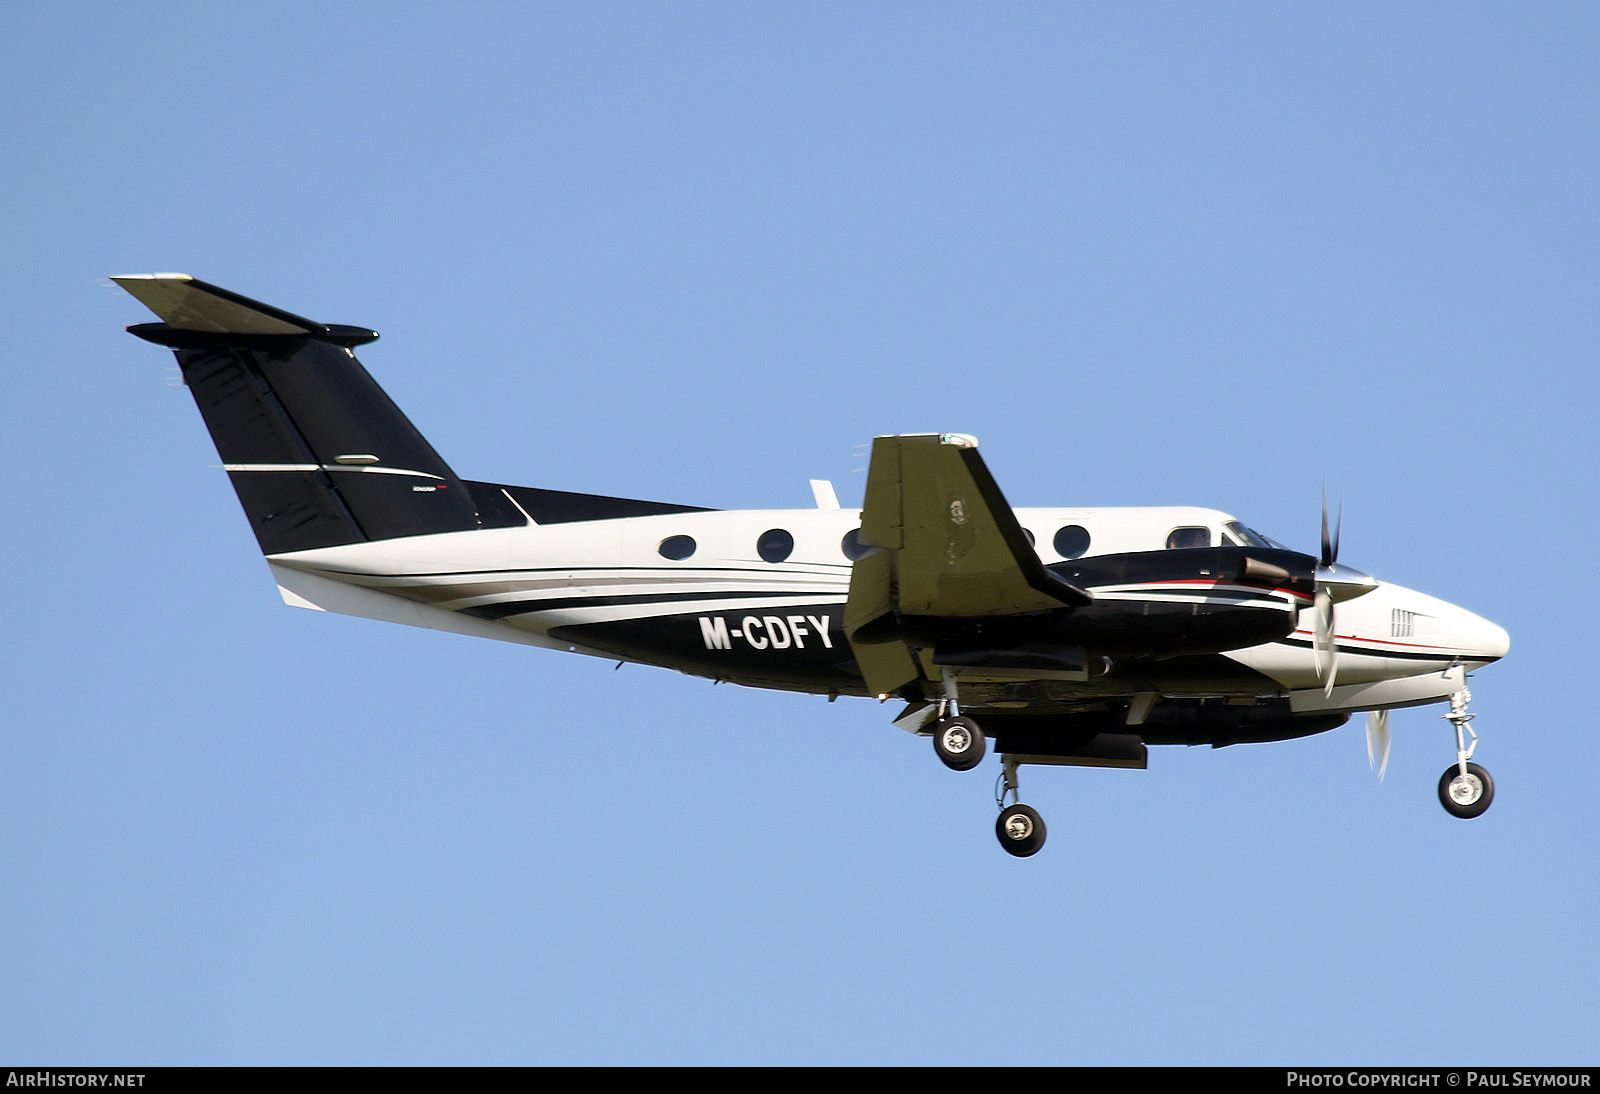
x: 1245, y: 537
x: 1188, y: 537
x: 1236, y: 533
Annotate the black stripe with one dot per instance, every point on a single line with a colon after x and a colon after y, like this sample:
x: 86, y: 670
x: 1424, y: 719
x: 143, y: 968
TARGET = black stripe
x: 763, y: 570
x: 1402, y: 655
x: 568, y: 507
x: 519, y: 607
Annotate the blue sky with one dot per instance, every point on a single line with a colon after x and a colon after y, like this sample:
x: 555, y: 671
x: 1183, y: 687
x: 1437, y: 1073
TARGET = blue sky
x: 1211, y: 254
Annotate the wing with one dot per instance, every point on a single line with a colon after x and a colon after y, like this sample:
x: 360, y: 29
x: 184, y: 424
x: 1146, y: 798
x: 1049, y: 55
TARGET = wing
x: 949, y: 548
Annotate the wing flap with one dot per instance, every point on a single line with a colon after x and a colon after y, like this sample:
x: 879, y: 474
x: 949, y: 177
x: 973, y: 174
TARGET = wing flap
x: 885, y: 662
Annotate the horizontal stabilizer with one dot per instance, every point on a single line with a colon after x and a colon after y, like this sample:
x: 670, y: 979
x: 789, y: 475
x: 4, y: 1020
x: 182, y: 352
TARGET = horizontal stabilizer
x: 195, y: 313
x: 187, y: 303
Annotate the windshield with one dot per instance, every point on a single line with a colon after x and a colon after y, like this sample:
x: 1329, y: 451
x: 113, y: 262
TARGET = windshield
x: 1249, y: 537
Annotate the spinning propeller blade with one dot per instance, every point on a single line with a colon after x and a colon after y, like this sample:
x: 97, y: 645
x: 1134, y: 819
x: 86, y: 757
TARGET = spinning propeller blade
x: 1325, y: 644
x: 1378, y: 741
x: 1330, y: 545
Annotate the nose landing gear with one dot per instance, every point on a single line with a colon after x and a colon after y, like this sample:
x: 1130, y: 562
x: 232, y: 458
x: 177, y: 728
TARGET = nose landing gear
x: 1465, y: 789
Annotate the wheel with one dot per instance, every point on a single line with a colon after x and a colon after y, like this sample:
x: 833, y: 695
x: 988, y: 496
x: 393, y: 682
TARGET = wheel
x: 959, y: 743
x: 1468, y: 795
x: 1020, y: 830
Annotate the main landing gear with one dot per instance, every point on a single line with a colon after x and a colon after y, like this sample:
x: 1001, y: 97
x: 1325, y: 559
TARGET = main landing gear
x: 959, y: 743
x: 1019, y: 828
x: 957, y: 740
x: 1465, y: 789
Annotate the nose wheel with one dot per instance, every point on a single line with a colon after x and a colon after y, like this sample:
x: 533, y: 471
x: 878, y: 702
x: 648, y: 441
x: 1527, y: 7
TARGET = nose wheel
x: 1465, y: 793
x: 1465, y: 789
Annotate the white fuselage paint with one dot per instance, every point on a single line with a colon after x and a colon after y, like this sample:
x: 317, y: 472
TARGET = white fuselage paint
x: 1397, y: 647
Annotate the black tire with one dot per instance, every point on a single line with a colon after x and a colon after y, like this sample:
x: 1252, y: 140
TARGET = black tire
x: 959, y: 743
x: 1472, y: 797
x: 1020, y: 830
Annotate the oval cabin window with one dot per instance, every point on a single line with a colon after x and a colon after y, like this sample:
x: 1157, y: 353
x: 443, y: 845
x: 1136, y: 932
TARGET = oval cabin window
x: 677, y: 548
x: 775, y: 545
x: 1071, y: 541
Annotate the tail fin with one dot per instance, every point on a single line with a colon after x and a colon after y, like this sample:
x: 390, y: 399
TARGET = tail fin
x: 317, y: 453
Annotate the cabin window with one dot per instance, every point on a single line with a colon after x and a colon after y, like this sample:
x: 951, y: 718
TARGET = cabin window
x: 677, y: 548
x: 1071, y: 541
x: 1031, y: 541
x: 1188, y: 537
x: 775, y: 545
x: 852, y: 546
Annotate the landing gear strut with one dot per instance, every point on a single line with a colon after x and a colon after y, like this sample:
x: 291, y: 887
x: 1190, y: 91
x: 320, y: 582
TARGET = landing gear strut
x: 957, y: 740
x: 1019, y: 828
x: 959, y: 743
x: 1465, y: 789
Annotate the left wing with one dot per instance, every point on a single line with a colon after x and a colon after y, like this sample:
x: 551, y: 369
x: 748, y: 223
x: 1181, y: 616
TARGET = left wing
x: 948, y: 548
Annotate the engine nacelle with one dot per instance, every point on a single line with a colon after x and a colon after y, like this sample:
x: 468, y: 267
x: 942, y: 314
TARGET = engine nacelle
x: 1196, y: 600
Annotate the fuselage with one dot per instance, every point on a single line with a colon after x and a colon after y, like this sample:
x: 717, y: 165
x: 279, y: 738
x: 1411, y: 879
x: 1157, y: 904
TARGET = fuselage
x: 757, y: 597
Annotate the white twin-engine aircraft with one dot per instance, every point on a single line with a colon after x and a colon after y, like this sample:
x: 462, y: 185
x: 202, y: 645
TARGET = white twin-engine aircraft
x: 1067, y: 636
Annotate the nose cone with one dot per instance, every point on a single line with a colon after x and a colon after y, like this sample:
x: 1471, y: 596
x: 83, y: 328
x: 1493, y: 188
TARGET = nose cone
x: 1478, y: 639
x: 1422, y: 629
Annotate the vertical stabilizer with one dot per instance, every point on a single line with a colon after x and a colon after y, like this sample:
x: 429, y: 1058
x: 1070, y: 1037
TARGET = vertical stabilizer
x: 317, y: 452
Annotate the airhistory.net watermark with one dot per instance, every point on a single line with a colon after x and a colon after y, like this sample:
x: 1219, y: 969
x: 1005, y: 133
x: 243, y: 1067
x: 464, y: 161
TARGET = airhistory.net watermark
x: 43, y: 1077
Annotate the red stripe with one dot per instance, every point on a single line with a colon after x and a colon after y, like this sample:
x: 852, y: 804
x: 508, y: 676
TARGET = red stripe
x: 1387, y: 642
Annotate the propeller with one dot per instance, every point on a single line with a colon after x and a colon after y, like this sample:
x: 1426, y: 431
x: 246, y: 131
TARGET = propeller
x: 1324, y: 643
x: 1378, y: 741
x: 1334, y: 584
x: 1330, y: 544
